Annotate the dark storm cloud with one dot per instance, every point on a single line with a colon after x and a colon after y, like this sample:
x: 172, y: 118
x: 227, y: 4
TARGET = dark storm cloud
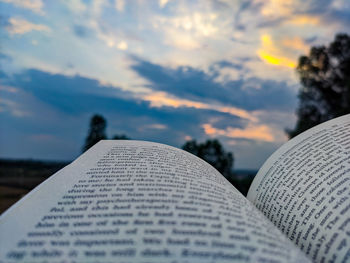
x: 4, y: 57
x: 81, y: 31
x: 68, y: 94
x: 314, y: 6
x: 55, y: 111
x: 227, y: 64
x: 310, y: 40
x: 339, y: 16
x: 267, y: 22
x: 195, y: 84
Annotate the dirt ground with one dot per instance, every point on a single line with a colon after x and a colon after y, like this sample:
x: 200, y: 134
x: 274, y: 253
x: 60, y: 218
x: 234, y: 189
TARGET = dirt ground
x: 17, y: 178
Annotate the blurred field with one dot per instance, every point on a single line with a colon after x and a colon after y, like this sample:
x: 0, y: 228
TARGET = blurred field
x: 18, y: 177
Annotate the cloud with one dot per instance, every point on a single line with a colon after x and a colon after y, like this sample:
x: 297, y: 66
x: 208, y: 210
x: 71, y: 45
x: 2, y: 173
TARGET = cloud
x: 81, y: 31
x: 122, y: 45
x: 76, y: 6
x: 274, y: 8
x: 19, y: 26
x: 69, y: 102
x: 181, y: 40
x: 33, y: 5
x: 13, y: 108
x: 199, y: 24
x: 5, y: 58
x: 296, y: 43
x: 251, y: 132
x: 163, y: 3
x: 8, y: 89
x: 161, y: 99
x: 108, y: 36
x: 120, y: 5
x: 188, y: 138
x: 54, y: 89
x: 302, y: 20
x: 195, y: 88
x: 339, y: 17
x: 276, y: 60
x: 227, y: 70
x: 187, y: 31
x: 42, y: 137
x: 190, y: 73
x: 295, y: 13
x: 156, y: 126
x: 228, y: 64
x: 97, y: 7
x: 270, y: 54
x: 301, y: 11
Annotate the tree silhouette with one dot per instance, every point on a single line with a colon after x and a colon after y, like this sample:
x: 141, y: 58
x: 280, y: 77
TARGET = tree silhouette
x: 212, y: 152
x: 97, y: 131
x: 325, y: 80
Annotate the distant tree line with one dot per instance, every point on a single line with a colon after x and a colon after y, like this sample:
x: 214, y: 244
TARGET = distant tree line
x: 210, y: 151
x: 213, y: 153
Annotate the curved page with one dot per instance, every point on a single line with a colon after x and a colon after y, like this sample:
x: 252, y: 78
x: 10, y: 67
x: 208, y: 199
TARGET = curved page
x: 131, y: 201
x: 304, y: 189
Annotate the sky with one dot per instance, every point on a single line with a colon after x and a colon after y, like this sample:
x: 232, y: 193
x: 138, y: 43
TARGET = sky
x: 163, y: 71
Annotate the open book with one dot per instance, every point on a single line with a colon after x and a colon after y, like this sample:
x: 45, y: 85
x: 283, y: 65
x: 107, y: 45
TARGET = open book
x: 134, y: 201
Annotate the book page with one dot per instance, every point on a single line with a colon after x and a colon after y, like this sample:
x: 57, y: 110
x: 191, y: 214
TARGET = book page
x: 304, y: 189
x: 139, y: 202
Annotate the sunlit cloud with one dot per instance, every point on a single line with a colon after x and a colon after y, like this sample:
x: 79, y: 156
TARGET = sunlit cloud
x: 270, y: 54
x: 253, y: 132
x: 19, y: 26
x: 156, y: 126
x: 275, y: 60
x: 120, y: 5
x: 302, y: 20
x: 33, y: 5
x: 161, y: 99
x: 296, y: 43
x: 105, y: 37
x: 187, y: 31
x: 181, y: 40
x: 188, y: 138
x: 199, y: 24
x: 162, y: 3
x: 287, y: 10
x: 122, y: 45
x: 273, y: 8
x: 109, y: 38
x: 275, y: 120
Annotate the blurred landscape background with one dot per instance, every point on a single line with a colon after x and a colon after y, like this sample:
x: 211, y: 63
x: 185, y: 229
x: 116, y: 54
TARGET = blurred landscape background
x: 229, y: 81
